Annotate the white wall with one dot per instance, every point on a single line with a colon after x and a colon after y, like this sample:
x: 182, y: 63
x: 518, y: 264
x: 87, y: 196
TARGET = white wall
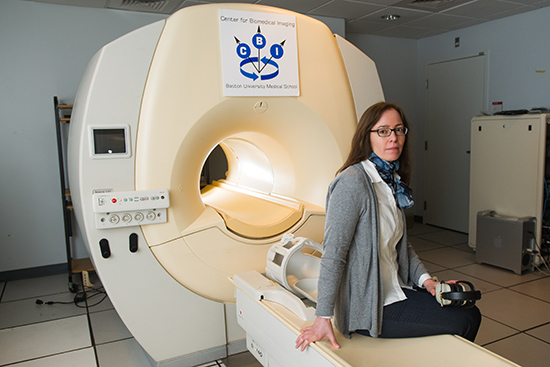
x: 396, y: 61
x: 517, y: 46
x: 45, y: 49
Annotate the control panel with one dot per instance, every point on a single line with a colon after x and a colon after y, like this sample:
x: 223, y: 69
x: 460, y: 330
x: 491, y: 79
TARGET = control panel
x: 130, y: 208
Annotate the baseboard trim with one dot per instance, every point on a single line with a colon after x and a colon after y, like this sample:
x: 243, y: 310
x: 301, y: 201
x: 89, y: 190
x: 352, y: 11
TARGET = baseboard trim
x: 39, y: 271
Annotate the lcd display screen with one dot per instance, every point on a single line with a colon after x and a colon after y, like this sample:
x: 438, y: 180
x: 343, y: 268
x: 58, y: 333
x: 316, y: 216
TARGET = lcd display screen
x: 109, y: 141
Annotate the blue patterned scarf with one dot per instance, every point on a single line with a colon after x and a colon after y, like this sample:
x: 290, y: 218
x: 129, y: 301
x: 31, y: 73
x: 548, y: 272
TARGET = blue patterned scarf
x: 401, y: 192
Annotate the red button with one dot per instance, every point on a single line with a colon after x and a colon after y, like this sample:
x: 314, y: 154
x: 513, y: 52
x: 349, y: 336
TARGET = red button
x: 113, y: 200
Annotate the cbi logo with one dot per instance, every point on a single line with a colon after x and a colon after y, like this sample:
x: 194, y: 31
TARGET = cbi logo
x: 262, y: 64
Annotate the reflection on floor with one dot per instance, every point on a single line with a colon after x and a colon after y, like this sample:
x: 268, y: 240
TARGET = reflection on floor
x: 516, y: 314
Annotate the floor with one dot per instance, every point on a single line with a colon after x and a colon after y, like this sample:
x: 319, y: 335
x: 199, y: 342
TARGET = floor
x: 516, y: 310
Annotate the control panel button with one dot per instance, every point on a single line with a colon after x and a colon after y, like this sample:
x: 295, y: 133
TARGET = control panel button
x: 114, y: 219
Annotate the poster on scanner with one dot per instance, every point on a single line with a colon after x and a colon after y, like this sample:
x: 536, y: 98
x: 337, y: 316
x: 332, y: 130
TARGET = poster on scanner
x: 259, y: 54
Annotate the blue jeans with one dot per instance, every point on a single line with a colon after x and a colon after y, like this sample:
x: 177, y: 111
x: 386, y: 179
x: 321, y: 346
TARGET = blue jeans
x: 421, y: 315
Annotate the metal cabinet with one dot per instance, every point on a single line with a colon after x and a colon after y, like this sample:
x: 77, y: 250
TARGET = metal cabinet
x: 507, y: 169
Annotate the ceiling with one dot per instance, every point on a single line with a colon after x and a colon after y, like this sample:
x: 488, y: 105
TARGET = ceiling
x: 416, y: 18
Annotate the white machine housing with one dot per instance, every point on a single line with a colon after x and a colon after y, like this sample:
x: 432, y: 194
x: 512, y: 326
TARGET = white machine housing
x: 160, y: 90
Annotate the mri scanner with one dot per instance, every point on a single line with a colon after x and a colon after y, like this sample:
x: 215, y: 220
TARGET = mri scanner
x: 280, y: 96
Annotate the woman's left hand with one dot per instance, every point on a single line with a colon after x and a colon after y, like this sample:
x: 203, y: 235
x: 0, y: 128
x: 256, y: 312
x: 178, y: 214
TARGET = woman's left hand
x: 321, y: 329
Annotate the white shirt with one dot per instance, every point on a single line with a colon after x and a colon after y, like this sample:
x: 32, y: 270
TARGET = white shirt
x: 391, y: 231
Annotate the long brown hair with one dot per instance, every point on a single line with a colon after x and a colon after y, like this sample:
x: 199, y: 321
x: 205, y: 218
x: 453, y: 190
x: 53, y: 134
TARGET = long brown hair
x: 361, y: 148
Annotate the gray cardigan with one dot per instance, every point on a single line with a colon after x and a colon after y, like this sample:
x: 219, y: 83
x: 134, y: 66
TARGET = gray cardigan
x: 350, y: 282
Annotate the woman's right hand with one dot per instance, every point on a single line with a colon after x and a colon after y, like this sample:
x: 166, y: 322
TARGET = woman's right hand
x: 430, y: 285
x: 321, y: 329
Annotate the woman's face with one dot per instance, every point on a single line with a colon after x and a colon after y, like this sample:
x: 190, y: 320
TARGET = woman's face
x: 388, y: 148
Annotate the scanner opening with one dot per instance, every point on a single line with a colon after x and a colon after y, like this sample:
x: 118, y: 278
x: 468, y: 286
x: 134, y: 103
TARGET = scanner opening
x: 214, y: 168
x: 237, y: 180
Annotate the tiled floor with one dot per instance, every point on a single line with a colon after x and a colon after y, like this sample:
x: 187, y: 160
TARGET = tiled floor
x: 516, y: 310
x: 64, y: 335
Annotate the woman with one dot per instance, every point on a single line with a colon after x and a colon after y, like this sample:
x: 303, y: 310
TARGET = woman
x: 368, y: 270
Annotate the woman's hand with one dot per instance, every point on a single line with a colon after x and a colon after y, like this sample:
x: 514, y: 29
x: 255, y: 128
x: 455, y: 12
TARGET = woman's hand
x: 321, y: 329
x: 430, y: 285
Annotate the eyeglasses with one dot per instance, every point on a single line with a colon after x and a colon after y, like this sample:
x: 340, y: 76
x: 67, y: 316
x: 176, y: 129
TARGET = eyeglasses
x: 385, y: 132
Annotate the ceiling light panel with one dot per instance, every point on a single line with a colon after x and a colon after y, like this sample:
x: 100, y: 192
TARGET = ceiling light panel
x: 431, y: 5
x: 405, y: 15
x: 345, y: 9
x: 150, y: 6
x: 302, y: 6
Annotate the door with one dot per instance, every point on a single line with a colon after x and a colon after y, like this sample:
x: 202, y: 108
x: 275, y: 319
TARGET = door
x: 456, y: 93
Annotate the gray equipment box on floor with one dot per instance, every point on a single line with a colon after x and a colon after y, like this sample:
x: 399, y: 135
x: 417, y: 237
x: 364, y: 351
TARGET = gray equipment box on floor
x: 504, y: 241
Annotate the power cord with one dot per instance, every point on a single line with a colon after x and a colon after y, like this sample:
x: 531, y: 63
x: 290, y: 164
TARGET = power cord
x: 538, y: 252
x: 80, y: 297
x: 96, y: 292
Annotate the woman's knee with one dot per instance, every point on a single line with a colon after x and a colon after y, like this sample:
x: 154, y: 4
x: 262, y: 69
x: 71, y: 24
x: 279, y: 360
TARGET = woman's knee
x: 470, y: 320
